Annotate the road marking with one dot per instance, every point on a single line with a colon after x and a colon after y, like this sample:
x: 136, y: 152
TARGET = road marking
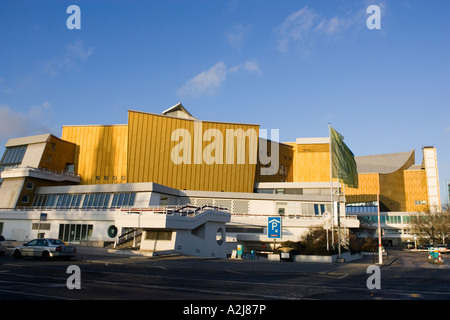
x: 35, y: 294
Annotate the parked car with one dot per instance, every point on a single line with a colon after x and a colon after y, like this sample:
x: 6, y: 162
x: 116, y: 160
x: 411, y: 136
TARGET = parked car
x: 2, y: 245
x: 45, y: 248
x: 444, y: 248
x: 424, y: 246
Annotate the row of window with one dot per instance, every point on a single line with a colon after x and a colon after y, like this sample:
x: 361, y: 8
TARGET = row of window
x: 14, y: 155
x: 93, y: 200
x: 391, y: 219
x: 308, y: 209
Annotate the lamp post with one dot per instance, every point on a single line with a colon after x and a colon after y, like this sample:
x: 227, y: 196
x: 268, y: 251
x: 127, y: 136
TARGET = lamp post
x: 380, y: 253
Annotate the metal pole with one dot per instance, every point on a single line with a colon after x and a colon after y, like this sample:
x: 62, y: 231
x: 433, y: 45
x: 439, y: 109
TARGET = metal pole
x: 331, y: 188
x: 339, y: 225
x: 380, y: 253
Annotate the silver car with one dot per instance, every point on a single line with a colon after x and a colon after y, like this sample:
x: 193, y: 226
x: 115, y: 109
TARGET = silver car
x: 2, y: 245
x: 45, y: 248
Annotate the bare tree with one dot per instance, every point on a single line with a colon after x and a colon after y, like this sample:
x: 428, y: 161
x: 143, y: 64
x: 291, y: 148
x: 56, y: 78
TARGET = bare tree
x: 433, y: 225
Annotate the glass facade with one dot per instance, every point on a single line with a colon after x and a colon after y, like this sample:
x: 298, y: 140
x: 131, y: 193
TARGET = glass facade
x: 13, y: 156
x: 75, y: 232
x: 92, y: 200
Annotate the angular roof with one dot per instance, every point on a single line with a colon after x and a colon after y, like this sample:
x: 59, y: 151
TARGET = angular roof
x: 28, y: 140
x: 178, y: 111
x: 383, y: 163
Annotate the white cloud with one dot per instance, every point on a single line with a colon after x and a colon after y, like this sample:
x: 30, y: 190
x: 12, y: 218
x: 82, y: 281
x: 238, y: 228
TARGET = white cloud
x: 75, y: 53
x: 205, y: 82
x: 14, y: 124
x: 209, y: 81
x: 296, y: 27
x: 302, y: 28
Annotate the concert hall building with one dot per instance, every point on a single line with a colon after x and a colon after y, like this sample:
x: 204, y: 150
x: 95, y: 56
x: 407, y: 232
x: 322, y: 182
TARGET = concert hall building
x: 170, y: 182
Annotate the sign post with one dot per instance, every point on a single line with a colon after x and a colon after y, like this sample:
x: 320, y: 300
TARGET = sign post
x: 327, y: 216
x: 274, y: 229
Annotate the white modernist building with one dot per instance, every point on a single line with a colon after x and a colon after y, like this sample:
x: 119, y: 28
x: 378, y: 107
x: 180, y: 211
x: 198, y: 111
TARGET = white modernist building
x: 156, y: 218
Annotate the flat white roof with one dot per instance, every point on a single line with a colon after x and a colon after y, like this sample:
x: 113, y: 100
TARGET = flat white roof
x: 28, y: 140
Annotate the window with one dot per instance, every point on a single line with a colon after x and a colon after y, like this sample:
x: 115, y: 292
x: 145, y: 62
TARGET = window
x: 319, y: 209
x: 96, y: 200
x: 123, y: 200
x: 283, y: 170
x: 25, y: 198
x: 158, y: 235
x: 30, y: 185
x: 40, y: 226
x: 70, y: 167
x: 244, y: 229
x: 75, y: 232
x: 220, y: 236
x: 14, y: 155
x: 281, y: 208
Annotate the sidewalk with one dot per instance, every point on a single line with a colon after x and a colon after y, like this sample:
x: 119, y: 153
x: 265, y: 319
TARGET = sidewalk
x: 98, y: 251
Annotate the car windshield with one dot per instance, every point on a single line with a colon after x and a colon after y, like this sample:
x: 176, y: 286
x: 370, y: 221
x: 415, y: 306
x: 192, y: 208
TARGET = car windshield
x: 56, y: 242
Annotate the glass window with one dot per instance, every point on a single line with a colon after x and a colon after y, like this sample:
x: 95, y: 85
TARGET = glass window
x: 114, y: 200
x: 120, y: 201
x: 316, y: 210
x: 14, y: 155
x: 75, y: 232
x: 106, y: 200
x: 25, y: 198
x: 132, y: 197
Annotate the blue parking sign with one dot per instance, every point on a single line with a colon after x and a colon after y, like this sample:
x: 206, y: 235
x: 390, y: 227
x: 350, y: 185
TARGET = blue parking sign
x: 274, y: 227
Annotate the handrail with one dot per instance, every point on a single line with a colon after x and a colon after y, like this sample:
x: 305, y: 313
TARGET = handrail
x: 128, y: 236
x: 44, y: 170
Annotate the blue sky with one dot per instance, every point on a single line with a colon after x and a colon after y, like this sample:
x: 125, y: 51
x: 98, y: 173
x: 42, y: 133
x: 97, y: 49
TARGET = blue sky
x: 288, y: 65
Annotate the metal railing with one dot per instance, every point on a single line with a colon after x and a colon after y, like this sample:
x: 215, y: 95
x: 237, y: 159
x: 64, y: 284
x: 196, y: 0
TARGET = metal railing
x: 186, y: 210
x: 128, y: 236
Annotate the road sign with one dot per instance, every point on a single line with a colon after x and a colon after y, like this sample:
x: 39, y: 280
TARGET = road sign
x: 274, y: 227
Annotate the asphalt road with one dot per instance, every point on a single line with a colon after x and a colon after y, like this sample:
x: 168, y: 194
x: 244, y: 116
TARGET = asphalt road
x: 408, y: 276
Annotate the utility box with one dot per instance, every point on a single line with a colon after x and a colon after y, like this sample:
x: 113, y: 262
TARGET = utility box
x: 286, y: 254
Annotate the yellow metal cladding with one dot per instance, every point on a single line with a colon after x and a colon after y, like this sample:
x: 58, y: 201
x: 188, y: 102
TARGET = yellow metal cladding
x: 57, y: 154
x: 175, y: 152
x: 311, y: 162
x: 101, y: 152
x: 416, y: 190
x: 368, y: 187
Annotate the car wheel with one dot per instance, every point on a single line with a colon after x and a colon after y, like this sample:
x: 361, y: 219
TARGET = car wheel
x: 45, y: 255
x: 17, y: 254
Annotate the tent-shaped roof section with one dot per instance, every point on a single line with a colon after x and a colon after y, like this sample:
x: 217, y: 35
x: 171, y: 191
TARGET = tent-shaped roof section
x: 178, y: 111
x: 383, y: 163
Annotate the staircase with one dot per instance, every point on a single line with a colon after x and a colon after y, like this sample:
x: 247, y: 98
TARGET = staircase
x: 130, y: 240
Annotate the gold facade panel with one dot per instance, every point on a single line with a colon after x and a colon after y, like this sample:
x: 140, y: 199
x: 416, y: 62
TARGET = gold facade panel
x: 100, y: 155
x: 311, y: 162
x: 209, y: 155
